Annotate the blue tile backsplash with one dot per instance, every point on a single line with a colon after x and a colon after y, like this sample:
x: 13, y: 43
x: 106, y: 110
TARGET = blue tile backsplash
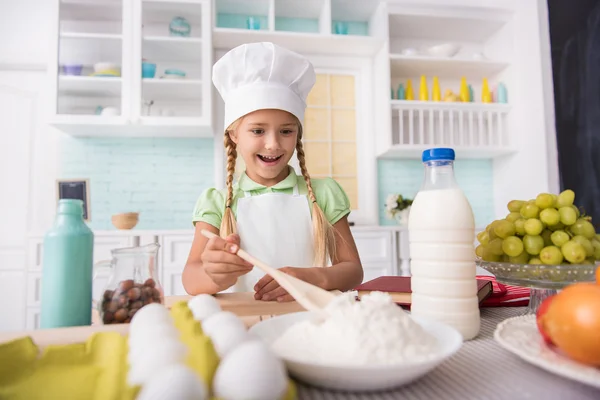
x: 162, y: 178
x: 405, y: 177
x: 159, y: 177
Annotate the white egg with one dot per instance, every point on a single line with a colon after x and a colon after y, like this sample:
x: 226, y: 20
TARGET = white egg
x: 154, y: 332
x: 176, y: 382
x: 150, y: 315
x: 250, y: 371
x: 203, y: 306
x: 144, y: 363
x: 226, y: 330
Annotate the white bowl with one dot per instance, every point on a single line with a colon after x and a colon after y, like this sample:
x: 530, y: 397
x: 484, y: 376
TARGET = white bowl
x: 443, y: 50
x: 105, y: 66
x: 358, y: 377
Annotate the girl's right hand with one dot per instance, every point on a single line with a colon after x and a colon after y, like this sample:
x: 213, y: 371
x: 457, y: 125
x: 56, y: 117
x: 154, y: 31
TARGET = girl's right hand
x: 221, y: 262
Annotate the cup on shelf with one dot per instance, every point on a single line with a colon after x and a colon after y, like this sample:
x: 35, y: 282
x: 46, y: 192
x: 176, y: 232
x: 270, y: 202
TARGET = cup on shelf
x: 179, y: 26
x: 253, y: 23
x: 148, y: 70
x: 340, y: 28
x: 72, y: 69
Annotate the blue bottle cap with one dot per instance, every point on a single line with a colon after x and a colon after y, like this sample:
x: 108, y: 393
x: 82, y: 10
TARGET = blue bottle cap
x: 438, y: 154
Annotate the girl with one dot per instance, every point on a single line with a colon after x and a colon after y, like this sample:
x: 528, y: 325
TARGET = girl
x: 288, y: 221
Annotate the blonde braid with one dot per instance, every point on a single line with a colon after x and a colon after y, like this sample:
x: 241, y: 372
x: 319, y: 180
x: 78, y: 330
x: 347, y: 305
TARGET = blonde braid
x: 324, y: 236
x: 228, y: 223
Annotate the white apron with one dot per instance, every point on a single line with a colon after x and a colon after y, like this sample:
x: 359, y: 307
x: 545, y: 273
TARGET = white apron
x: 276, y: 228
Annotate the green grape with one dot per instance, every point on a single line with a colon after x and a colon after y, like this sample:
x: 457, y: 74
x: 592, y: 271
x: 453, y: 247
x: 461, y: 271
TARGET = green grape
x: 520, y: 227
x: 533, y: 244
x: 567, y: 215
x: 551, y: 255
x: 596, y: 245
x: 557, y: 227
x: 479, y: 251
x: 554, y: 198
x: 513, y: 216
x: 559, y: 238
x: 535, y: 261
x: 585, y: 242
x: 544, y: 200
x: 515, y: 205
x: 533, y: 226
x: 495, y: 246
x: 547, y: 236
x: 550, y: 216
x: 504, y: 229
x: 598, y: 237
x: 512, y: 246
x: 483, y: 238
x: 522, y: 258
x: 565, y: 198
x: 530, y: 210
x: 486, y: 255
x: 573, y: 252
x: 584, y: 228
x: 577, y: 212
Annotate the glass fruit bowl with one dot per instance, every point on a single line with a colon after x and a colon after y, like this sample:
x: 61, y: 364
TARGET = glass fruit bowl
x: 543, y: 280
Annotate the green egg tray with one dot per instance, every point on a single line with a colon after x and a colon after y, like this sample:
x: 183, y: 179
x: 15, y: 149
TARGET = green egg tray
x: 96, y: 369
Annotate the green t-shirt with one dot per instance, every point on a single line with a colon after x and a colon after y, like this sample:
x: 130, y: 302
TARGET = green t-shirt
x: 329, y: 194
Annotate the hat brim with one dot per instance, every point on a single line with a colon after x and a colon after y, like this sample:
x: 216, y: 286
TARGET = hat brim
x: 249, y: 98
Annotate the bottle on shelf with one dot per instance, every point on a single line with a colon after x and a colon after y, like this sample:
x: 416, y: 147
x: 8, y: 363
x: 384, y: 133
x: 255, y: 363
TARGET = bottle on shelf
x: 409, y: 90
x: 441, y: 230
x: 436, y: 92
x: 66, y: 298
x: 486, y: 95
x: 464, y: 90
x: 401, y: 95
x: 423, y: 96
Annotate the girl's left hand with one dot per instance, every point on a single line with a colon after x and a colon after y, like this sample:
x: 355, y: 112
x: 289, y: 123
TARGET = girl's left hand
x: 268, y: 289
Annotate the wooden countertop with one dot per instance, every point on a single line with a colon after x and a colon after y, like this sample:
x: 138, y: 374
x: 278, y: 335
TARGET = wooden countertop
x: 242, y: 304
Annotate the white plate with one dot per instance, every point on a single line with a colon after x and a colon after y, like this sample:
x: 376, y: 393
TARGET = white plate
x: 357, y: 377
x: 520, y: 336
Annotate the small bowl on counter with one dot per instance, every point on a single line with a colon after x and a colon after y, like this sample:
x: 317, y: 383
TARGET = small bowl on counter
x: 125, y: 220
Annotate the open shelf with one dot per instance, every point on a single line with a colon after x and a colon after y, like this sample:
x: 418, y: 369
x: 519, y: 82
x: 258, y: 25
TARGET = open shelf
x: 233, y: 14
x: 172, y: 48
x: 358, y: 17
x: 91, y: 10
x: 158, y: 15
x: 172, y: 89
x: 450, y: 28
x: 225, y: 38
x: 89, y: 86
x: 306, y: 16
x: 448, y: 68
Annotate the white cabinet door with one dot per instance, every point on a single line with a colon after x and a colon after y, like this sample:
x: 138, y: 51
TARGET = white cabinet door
x: 175, y: 251
x: 18, y: 104
x: 377, y: 253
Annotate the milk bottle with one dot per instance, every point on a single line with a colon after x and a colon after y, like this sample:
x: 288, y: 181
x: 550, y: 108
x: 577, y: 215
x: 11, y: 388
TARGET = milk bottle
x: 441, y: 230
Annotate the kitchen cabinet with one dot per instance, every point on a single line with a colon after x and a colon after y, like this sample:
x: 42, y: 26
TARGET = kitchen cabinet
x: 99, y: 53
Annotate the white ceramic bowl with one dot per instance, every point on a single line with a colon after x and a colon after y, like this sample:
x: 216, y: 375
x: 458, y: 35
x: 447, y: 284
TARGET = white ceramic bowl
x: 105, y: 66
x: 360, y: 378
x: 443, y: 50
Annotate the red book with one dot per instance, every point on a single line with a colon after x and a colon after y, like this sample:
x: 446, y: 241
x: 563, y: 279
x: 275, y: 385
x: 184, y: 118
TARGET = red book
x: 398, y: 287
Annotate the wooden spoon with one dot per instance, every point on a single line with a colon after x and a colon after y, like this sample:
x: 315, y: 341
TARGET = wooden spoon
x: 309, y: 296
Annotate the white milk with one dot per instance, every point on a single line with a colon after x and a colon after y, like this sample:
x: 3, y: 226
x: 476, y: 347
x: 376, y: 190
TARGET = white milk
x: 441, y: 233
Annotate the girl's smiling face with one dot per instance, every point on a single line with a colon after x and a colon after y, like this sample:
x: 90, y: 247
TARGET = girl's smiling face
x: 266, y: 140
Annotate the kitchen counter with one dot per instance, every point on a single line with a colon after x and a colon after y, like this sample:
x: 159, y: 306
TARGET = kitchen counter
x: 242, y: 304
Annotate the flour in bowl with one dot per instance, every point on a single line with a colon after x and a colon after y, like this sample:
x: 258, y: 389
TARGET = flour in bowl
x: 373, y: 331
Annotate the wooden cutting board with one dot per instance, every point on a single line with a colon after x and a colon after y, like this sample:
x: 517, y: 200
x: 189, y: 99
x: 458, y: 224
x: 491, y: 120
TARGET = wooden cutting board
x: 244, y: 305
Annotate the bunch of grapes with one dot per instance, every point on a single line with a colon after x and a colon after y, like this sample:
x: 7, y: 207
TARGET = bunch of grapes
x: 546, y: 230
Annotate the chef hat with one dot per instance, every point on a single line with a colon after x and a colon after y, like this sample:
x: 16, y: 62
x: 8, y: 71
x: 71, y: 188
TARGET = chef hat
x: 258, y: 76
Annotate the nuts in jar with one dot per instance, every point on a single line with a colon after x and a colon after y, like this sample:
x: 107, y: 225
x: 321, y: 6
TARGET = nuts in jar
x: 121, y: 304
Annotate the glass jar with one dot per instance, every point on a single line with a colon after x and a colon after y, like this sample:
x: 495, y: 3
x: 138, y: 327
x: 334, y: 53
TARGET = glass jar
x: 133, y: 281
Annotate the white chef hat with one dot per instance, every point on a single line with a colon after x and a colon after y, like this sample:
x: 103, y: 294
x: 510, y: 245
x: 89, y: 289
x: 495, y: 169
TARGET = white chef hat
x: 257, y: 76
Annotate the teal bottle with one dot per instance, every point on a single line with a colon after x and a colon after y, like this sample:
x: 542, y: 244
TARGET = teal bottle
x: 67, y: 269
